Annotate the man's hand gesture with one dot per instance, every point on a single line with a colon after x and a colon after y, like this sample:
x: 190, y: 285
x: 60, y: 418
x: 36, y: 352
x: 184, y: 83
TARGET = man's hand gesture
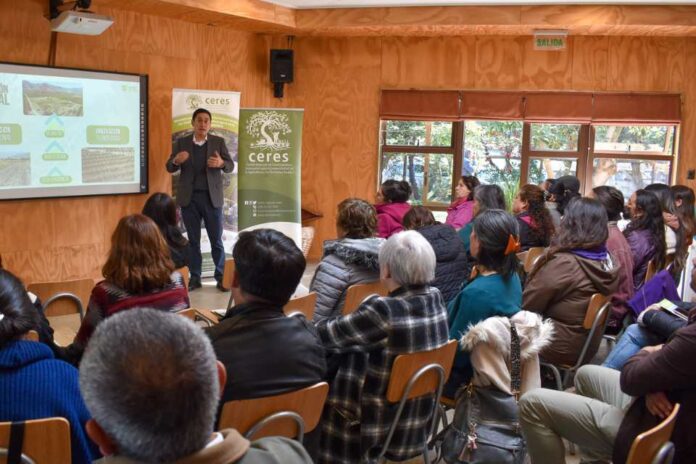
x: 215, y: 161
x: 181, y: 157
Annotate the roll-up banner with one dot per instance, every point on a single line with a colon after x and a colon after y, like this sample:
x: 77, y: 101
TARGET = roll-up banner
x: 270, y: 161
x: 224, y: 108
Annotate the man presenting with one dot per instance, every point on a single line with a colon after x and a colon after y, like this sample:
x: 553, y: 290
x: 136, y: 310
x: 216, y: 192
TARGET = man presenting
x: 202, y: 158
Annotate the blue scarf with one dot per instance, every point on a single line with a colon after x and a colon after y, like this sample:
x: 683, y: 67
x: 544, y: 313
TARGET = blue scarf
x: 595, y: 254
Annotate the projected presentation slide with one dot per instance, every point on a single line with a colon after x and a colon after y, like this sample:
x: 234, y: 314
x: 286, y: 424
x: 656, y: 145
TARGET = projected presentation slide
x: 66, y: 132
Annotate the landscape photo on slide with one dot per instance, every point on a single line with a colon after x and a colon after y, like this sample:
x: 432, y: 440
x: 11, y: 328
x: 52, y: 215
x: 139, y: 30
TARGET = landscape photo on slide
x: 45, y: 99
x: 15, y: 168
x: 108, y: 164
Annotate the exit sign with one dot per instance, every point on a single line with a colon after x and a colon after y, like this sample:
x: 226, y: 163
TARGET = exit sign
x: 550, y: 40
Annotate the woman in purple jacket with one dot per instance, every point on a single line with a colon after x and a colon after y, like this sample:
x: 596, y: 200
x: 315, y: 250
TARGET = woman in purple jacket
x: 645, y: 234
x: 461, y: 211
x: 392, y: 205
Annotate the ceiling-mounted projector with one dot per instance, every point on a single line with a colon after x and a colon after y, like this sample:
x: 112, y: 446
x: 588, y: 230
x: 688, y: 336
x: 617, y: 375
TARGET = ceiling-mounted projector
x: 81, y: 22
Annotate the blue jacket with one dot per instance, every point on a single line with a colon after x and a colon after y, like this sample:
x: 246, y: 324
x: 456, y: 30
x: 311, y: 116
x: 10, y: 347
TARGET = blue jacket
x: 35, y: 385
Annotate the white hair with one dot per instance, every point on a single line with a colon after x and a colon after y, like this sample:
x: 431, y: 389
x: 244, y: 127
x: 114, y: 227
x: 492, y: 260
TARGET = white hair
x: 149, y: 378
x: 409, y: 257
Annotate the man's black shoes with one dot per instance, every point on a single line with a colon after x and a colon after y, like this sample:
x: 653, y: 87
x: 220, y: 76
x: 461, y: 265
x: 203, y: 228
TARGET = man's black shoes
x: 194, y: 284
x: 221, y: 287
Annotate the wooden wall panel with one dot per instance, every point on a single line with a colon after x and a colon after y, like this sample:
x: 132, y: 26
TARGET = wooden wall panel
x: 499, y: 62
x: 646, y: 64
x: 449, y: 61
x: 590, y: 63
x: 69, y: 238
x: 546, y: 70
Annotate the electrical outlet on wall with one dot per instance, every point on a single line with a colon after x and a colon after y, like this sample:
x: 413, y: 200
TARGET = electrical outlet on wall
x: 691, y: 174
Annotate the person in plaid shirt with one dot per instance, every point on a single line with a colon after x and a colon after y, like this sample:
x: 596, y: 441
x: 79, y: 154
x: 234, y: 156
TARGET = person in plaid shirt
x: 363, y: 346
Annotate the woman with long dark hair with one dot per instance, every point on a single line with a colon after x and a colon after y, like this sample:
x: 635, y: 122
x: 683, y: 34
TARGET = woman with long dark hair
x: 564, y: 190
x: 461, y: 211
x: 684, y: 203
x: 161, y: 208
x: 33, y: 384
x: 485, y: 197
x: 576, y: 266
x: 534, y: 220
x: 392, y: 205
x: 495, y: 291
x: 645, y: 234
x: 138, y: 273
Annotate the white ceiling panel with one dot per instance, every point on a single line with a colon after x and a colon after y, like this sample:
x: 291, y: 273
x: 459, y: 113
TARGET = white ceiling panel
x: 306, y: 4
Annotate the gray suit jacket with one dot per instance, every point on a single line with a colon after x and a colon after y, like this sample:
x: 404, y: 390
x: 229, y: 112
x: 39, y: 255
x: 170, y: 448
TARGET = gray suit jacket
x: 183, y: 196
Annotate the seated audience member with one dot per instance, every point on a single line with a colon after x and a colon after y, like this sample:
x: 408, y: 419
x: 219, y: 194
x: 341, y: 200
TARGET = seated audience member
x: 564, y: 279
x: 392, y: 205
x: 611, y: 408
x: 461, y: 211
x: 495, y: 291
x: 534, y: 220
x: 152, y: 384
x: 412, y: 318
x: 349, y: 260
x: 137, y: 273
x: 161, y: 208
x: 551, y: 206
x: 450, y: 270
x: 613, y: 201
x: 267, y: 352
x: 44, y: 330
x: 645, y: 234
x: 33, y: 384
x: 564, y: 190
x: 485, y: 197
x: 684, y: 204
x: 674, y: 234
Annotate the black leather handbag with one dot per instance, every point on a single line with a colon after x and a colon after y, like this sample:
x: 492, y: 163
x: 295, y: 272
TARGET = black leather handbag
x: 485, y: 428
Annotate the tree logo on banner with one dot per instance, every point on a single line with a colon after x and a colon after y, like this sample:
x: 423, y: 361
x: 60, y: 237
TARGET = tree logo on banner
x: 269, y: 126
x: 194, y: 101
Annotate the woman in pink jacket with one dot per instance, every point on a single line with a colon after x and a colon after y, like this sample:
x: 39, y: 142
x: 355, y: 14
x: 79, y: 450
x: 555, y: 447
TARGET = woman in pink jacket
x: 392, y: 205
x: 461, y: 211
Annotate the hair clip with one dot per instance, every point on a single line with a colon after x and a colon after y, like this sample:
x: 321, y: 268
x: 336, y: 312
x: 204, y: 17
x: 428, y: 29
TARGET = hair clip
x: 513, y: 245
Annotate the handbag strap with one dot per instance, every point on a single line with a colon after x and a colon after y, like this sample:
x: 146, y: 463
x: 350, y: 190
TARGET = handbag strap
x: 515, y: 363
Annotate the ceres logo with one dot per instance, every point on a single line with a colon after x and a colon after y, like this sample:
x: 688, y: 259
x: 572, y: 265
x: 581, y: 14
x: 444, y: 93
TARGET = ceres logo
x: 193, y: 101
x: 3, y: 95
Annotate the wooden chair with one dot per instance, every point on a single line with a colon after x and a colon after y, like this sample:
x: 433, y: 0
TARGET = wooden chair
x: 200, y: 315
x: 530, y: 259
x: 63, y: 298
x: 651, y: 271
x: 653, y: 446
x: 414, y: 375
x: 595, y: 321
x: 289, y: 415
x: 304, y: 304
x: 358, y: 292
x: 184, y: 271
x: 46, y: 441
x: 227, y: 279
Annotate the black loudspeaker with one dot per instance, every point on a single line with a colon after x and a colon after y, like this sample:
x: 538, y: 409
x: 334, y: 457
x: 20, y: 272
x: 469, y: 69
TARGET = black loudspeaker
x: 281, y: 66
x: 281, y: 70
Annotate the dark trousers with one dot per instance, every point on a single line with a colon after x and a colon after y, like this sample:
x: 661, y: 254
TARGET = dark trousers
x: 201, y: 208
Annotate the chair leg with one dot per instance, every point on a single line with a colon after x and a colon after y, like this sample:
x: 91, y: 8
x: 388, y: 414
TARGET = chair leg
x: 556, y: 376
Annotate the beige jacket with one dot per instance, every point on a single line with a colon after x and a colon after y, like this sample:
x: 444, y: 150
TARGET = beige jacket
x: 489, y: 344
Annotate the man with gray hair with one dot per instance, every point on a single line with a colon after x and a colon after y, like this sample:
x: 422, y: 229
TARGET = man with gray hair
x: 364, y: 345
x: 152, y: 384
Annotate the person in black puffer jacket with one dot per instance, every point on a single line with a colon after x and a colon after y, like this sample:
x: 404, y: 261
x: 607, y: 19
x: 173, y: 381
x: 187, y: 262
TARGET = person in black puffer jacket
x: 450, y: 272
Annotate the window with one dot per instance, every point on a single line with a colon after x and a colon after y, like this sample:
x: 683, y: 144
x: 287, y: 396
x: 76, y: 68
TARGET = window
x: 432, y: 154
x: 421, y: 152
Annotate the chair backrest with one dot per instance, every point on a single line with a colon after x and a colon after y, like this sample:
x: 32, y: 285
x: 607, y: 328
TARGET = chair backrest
x: 308, y: 403
x: 184, y: 271
x: 648, y: 444
x: 597, y: 301
x: 227, y: 273
x: 531, y: 258
x: 304, y: 304
x: 200, y: 315
x: 63, y: 298
x: 46, y: 441
x: 651, y: 270
x: 406, y: 365
x: 355, y: 294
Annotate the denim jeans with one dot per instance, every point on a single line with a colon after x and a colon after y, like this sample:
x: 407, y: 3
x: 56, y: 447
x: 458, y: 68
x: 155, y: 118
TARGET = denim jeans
x: 634, y: 338
x: 201, y: 208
